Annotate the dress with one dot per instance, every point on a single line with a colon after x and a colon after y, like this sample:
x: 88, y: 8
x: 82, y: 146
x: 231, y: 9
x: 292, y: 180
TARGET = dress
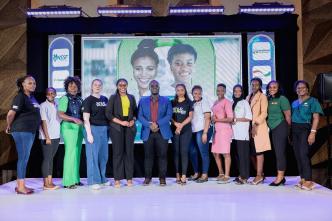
x: 223, y: 133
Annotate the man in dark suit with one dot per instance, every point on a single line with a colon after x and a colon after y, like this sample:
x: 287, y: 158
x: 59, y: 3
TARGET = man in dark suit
x: 155, y: 113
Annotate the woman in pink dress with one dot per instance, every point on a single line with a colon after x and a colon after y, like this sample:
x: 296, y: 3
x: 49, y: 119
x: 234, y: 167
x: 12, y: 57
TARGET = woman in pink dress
x: 222, y: 118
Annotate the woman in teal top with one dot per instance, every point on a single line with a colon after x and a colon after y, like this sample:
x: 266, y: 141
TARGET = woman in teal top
x: 305, y: 119
x: 278, y: 120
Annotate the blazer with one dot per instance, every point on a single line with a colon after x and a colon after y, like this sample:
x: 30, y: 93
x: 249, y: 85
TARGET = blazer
x: 114, y: 110
x: 163, y: 119
x: 258, y: 106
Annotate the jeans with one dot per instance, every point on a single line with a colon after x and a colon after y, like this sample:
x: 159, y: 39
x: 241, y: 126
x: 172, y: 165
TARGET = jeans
x: 97, y: 154
x: 197, y: 145
x: 23, y: 142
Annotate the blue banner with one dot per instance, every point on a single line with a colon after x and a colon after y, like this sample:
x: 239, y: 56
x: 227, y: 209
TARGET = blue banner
x: 261, y: 57
x: 60, y: 61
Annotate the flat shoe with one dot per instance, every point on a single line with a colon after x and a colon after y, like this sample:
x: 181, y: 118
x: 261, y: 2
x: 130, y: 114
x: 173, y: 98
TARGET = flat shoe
x: 23, y: 193
x: 202, y: 180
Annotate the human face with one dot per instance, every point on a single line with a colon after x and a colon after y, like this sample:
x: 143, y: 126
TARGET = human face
x: 96, y: 87
x: 273, y: 88
x: 221, y: 92
x: 180, y: 91
x: 302, y: 90
x: 122, y: 87
x: 255, y: 86
x: 182, y: 67
x: 154, y: 88
x: 50, y: 95
x: 144, y: 70
x: 197, y: 94
x: 237, y: 92
x: 72, y: 88
x: 29, y: 84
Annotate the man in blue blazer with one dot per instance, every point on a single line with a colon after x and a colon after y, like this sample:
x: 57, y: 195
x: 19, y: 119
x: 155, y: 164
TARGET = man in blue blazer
x: 155, y: 113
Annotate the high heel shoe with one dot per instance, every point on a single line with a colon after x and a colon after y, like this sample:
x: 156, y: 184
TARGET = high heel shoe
x: 282, y: 182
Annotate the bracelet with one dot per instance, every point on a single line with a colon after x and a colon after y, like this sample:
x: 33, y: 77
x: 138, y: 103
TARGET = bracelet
x: 313, y: 131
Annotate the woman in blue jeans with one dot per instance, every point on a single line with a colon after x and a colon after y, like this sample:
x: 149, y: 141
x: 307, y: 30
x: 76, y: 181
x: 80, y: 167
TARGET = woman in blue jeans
x: 201, y: 136
x: 23, y: 121
x: 96, y: 135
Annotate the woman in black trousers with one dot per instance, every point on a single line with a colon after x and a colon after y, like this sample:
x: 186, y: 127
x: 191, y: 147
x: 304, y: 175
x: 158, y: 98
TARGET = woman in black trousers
x: 121, y: 111
x: 181, y: 127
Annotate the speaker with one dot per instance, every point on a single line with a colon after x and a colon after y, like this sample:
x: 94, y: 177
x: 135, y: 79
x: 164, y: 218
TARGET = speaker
x: 322, y: 88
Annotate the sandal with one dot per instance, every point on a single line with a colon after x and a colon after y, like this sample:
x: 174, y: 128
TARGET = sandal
x: 183, y: 182
x: 130, y: 183
x: 202, y: 180
x: 299, y: 184
x: 117, y: 184
x: 224, y: 180
x: 258, y: 181
x: 220, y: 176
x: 308, y: 187
x: 193, y: 177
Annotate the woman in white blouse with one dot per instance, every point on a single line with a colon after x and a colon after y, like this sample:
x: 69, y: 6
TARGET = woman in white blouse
x: 242, y: 118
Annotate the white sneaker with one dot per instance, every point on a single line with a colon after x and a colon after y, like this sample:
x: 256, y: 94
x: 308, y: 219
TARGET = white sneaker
x: 107, y: 183
x: 95, y: 186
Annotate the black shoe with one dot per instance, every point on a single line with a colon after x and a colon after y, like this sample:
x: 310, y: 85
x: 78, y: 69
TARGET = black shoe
x: 162, y: 181
x: 146, y: 181
x: 70, y: 187
x: 282, y: 182
x: 240, y: 181
x: 79, y: 184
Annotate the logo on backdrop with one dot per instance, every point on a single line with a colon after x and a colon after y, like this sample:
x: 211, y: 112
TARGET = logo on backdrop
x: 60, y: 57
x: 261, y: 57
x: 60, y: 64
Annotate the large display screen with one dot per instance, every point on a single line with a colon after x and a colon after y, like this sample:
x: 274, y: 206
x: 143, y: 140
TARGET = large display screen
x: 199, y: 60
x: 190, y: 60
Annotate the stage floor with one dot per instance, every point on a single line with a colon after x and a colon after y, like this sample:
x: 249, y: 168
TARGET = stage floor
x: 208, y: 201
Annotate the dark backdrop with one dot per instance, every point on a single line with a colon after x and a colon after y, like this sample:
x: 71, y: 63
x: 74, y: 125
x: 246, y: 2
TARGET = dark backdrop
x: 284, y: 26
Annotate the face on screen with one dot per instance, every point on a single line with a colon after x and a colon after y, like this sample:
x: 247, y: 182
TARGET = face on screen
x: 182, y: 67
x: 145, y: 70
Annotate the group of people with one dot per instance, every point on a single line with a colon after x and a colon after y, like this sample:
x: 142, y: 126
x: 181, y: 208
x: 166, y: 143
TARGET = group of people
x: 252, y: 123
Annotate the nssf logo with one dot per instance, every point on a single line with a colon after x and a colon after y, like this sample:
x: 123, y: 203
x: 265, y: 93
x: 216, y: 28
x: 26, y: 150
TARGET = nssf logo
x: 60, y: 57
